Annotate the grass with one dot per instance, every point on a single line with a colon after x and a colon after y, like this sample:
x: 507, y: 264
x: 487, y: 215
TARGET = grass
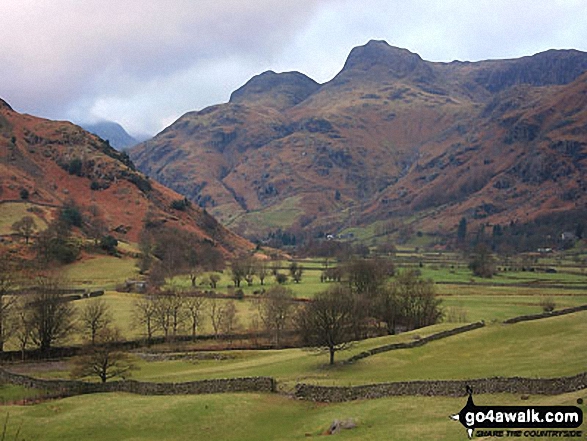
x: 246, y: 417
x: 101, y: 271
x: 10, y: 393
x: 12, y: 212
x: 279, y: 216
x: 464, y: 275
x: 545, y: 348
x: 483, y: 305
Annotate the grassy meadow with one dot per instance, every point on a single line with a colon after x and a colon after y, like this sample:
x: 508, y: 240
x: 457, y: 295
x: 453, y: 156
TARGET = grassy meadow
x: 242, y: 417
x: 545, y: 348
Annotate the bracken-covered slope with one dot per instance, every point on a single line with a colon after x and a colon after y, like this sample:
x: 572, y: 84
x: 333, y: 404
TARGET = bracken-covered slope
x: 391, y: 135
x: 47, y: 163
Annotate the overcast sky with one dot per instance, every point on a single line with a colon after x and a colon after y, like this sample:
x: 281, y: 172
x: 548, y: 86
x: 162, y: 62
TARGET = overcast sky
x: 143, y: 63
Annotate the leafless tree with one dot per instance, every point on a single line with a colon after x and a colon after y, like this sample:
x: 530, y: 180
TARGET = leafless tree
x: 52, y: 316
x: 22, y: 325
x: 144, y: 316
x: 7, y: 285
x: 194, y: 306
x: 275, y: 311
x: 216, y: 314
x: 25, y: 227
x: 262, y: 271
x: 327, y: 322
x: 229, y: 320
x: 169, y: 312
x: 418, y: 304
x: 103, y: 359
x: 214, y: 279
x: 95, y: 315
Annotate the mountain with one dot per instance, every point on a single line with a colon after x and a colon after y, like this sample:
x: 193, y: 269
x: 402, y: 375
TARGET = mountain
x: 391, y: 136
x: 112, y: 132
x: 45, y: 164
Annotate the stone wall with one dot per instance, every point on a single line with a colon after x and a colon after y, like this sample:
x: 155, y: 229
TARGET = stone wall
x: 72, y: 387
x: 525, y: 318
x: 447, y: 388
x: 416, y: 343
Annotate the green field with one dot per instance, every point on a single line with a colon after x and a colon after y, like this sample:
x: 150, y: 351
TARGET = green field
x: 544, y: 348
x: 12, y: 212
x: 242, y: 417
x: 100, y: 271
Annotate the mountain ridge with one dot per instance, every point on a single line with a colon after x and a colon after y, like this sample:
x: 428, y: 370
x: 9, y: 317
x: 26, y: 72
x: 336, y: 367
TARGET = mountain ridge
x: 358, y: 148
x: 48, y: 164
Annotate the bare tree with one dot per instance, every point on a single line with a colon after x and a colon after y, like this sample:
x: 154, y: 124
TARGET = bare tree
x: 229, y: 320
x: 25, y: 227
x: 216, y: 314
x: 194, y: 306
x: 387, y: 308
x: 7, y: 284
x: 366, y: 276
x: 275, y: 311
x: 241, y: 269
x: 169, y: 313
x: 94, y: 224
x: 262, y: 271
x: 22, y: 325
x: 418, y: 304
x: 95, y: 316
x: 103, y: 359
x: 144, y: 315
x: 214, y: 279
x: 52, y: 316
x: 327, y: 322
x: 296, y: 272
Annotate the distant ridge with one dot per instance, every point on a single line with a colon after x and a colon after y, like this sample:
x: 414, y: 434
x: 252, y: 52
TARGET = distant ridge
x: 113, y: 133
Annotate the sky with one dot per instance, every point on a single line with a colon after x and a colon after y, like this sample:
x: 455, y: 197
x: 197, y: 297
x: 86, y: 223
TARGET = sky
x: 144, y: 63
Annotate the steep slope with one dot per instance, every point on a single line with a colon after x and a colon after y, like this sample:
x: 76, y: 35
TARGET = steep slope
x: 391, y: 135
x: 524, y: 157
x: 46, y: 163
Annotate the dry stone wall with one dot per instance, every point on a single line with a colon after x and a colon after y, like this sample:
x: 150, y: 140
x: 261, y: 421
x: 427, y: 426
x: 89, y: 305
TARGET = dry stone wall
x: 416, y: 343
x: 448, y: 388
x: 525, y: 318
x: 72, y: 387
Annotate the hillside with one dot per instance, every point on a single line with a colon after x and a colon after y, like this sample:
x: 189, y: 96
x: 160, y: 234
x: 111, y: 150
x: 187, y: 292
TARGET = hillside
x: 112, y: 132
x: 44, y: 164
x: 392, y: 136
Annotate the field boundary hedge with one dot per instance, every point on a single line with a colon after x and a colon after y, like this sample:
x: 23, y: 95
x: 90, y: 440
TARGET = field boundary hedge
x: 73, y: 387
x: 446, y: 388
x: 542, y: 315
x: 415, y: 343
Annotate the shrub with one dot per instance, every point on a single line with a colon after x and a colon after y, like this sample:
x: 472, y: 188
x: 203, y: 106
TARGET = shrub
x: 75, y: 167
x: 548, y: 304
x: 180, y: 204
x: 71, y: 215
x: 281, y: 278
x: 109, y: 244
x: 24, y: 194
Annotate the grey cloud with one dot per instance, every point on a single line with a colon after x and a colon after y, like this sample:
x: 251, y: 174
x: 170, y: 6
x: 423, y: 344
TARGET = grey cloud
x: 145, y: 62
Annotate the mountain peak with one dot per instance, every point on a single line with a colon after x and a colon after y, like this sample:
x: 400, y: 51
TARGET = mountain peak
x: 379, y: 54
x: 278, y: 90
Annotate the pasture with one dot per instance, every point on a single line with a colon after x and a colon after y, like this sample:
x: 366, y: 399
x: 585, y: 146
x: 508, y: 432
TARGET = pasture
x: 545, y: 348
